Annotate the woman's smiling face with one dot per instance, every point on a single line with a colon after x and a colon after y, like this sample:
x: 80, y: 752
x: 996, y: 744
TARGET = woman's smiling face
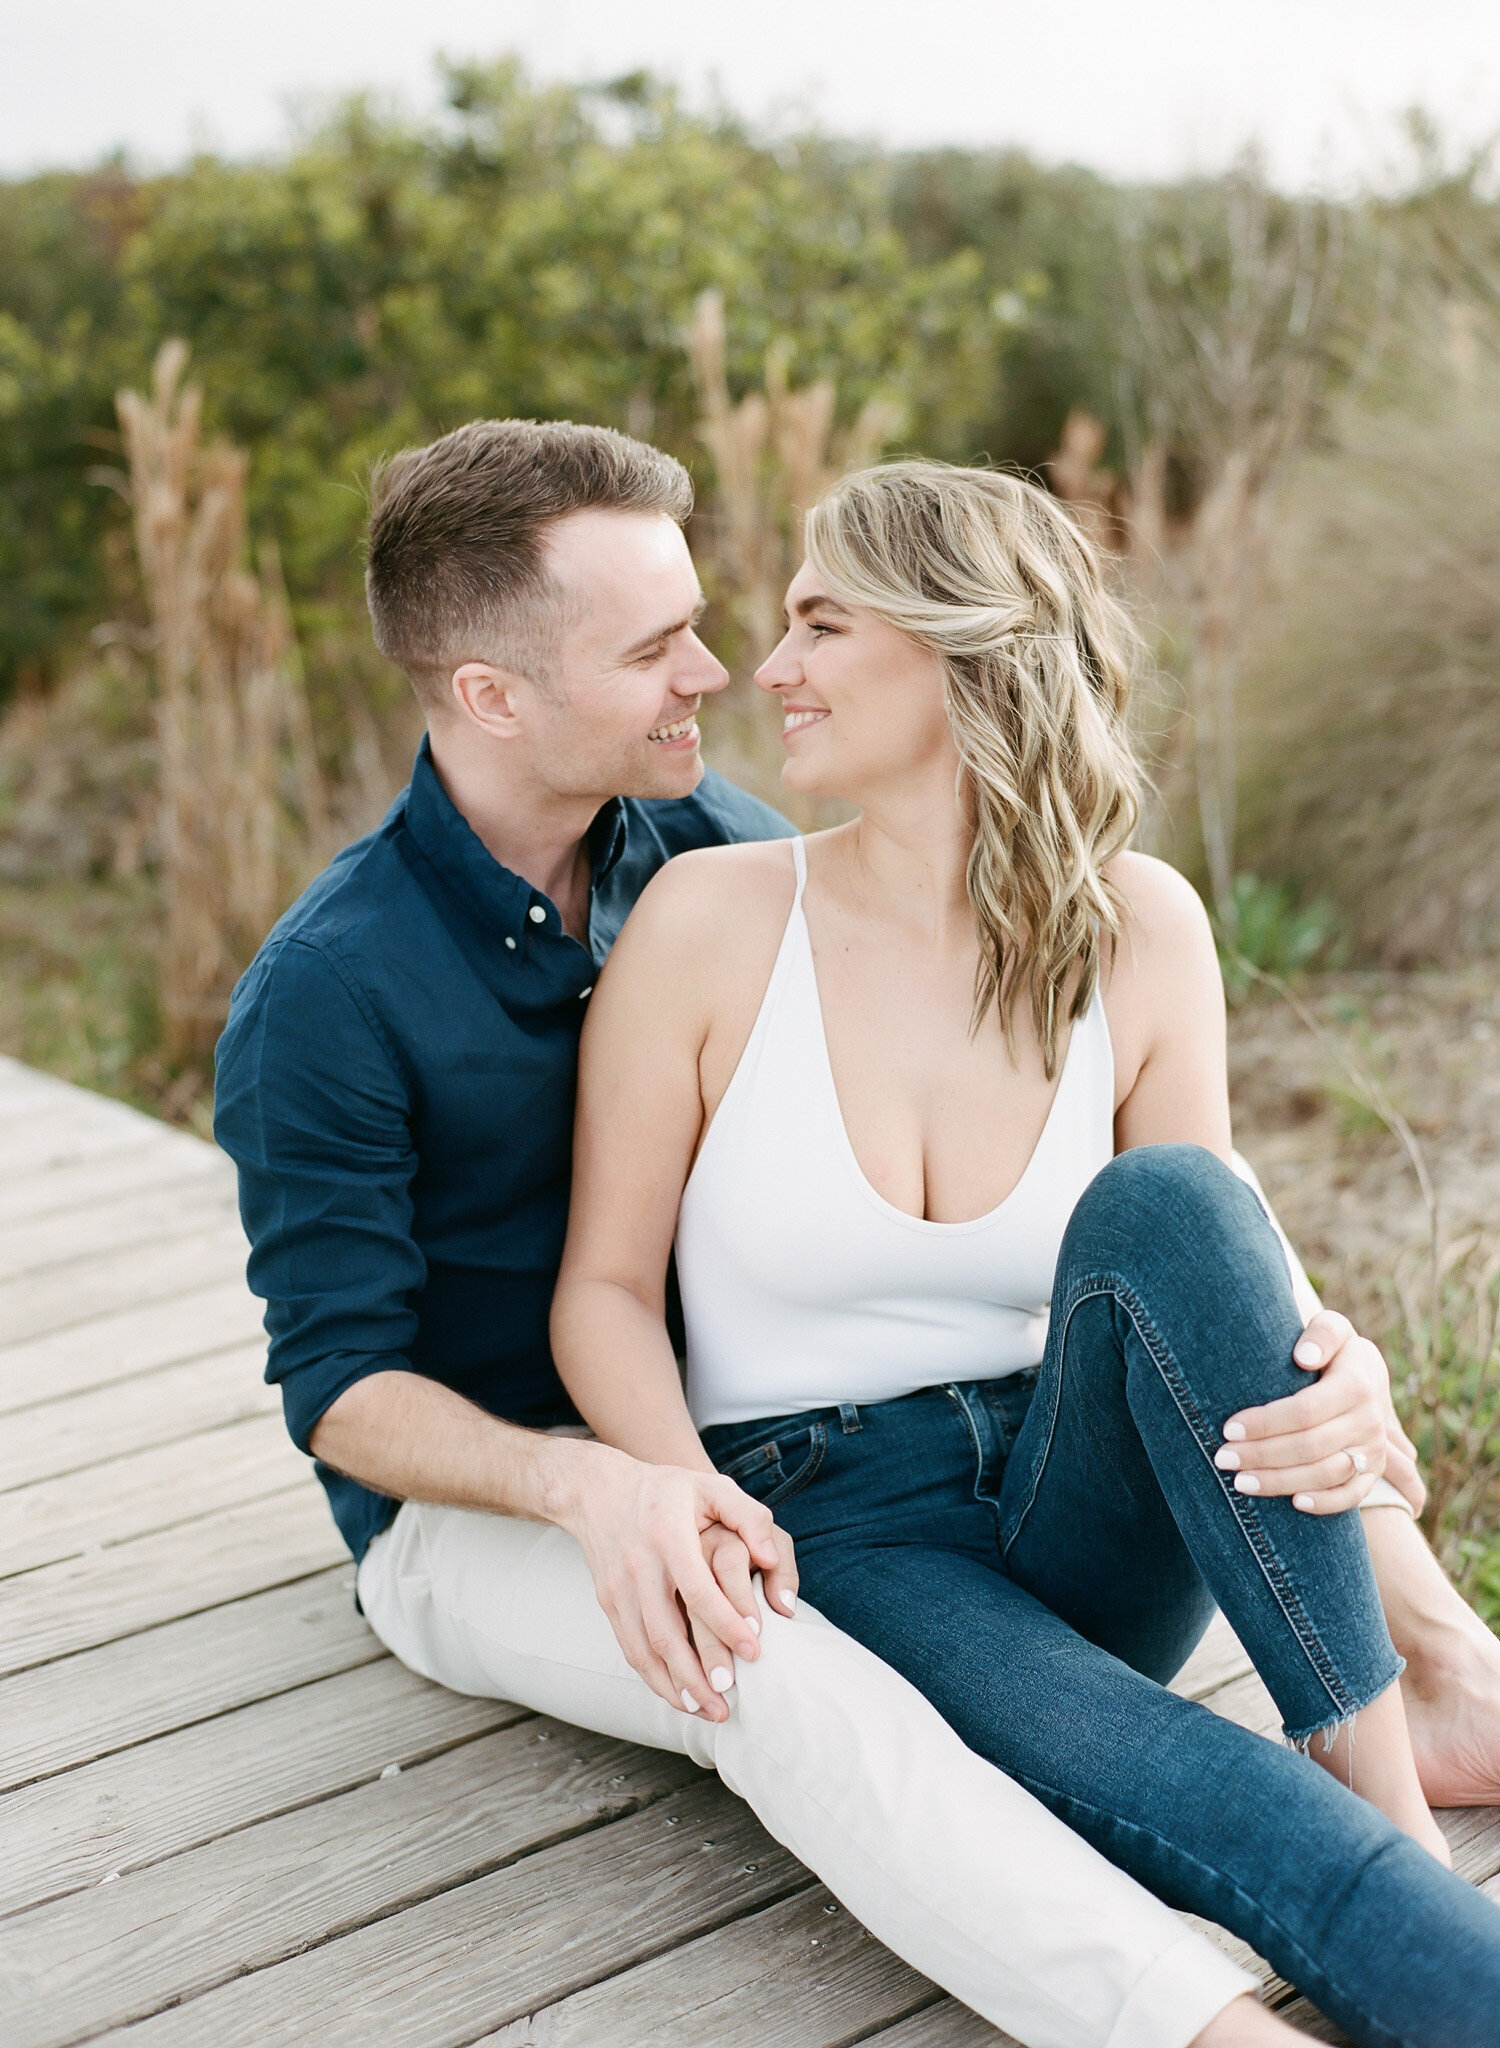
x: 861, y: 701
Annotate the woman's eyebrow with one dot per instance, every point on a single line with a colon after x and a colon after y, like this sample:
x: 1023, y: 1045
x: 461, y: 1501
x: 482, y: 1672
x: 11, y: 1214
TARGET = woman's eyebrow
x: 818, y: 602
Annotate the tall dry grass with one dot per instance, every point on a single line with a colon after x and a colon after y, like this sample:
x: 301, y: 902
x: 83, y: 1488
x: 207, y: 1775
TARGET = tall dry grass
x: 1234, y: 341
x: 1371, y: 738
x: 775, y: 451
x: 242, y: 813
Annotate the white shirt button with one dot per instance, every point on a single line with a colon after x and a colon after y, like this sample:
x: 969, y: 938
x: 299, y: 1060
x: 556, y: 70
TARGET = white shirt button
x: 511, y: 944
x: 537, y: 914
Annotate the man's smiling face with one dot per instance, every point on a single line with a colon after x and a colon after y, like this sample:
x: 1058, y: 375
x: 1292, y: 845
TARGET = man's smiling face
x: 619, y: 717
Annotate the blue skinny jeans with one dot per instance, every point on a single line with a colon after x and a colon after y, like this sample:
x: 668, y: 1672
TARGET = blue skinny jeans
x: 1039, y: 1554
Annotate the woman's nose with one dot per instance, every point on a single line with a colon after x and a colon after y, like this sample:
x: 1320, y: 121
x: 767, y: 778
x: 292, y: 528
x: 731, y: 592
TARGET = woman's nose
x: 778, y: 671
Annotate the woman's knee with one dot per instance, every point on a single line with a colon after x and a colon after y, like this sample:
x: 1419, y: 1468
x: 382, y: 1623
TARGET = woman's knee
x: 1157, y: 1197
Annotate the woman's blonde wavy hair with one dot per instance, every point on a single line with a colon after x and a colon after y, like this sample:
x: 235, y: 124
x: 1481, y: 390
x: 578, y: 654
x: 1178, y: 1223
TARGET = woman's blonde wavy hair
x: 990, y: 574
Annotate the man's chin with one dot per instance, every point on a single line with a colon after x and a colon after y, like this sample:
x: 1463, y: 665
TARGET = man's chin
x: 661, y: 774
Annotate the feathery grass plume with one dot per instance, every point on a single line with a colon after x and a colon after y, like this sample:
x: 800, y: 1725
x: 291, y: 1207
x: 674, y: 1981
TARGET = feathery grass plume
x: 1239, y: 329
x: 233, y: 737
x: 1372, y: 714
x: 775, y: 452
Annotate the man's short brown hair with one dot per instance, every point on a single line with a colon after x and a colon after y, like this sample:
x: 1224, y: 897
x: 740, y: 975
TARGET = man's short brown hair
x: 456, y: 570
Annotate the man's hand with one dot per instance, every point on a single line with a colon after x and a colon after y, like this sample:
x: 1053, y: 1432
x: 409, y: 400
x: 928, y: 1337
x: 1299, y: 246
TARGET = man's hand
x: 1328, y: 1445
x: 642, y: 1529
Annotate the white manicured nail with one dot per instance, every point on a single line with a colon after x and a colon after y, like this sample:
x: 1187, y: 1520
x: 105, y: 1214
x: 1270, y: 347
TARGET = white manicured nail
x: 1247, y: 1483
x: 720, y: 1679
x: 1304, y: 1501
x: 1234, y: 1431
x: 689, y: 1702
x: 752, y: 1622
x: 1309, y: 1354
x: 789, y: 1602
x: 1227, y: 1460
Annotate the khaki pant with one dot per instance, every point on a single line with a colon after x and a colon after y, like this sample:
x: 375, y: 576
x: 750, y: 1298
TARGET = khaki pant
x: 948, y: 1862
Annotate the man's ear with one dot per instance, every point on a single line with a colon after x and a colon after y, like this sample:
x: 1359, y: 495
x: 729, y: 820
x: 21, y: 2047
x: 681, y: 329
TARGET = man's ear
x: 489, y: 697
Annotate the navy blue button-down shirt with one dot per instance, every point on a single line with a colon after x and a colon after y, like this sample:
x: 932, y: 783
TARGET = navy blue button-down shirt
x: 396, y: 1084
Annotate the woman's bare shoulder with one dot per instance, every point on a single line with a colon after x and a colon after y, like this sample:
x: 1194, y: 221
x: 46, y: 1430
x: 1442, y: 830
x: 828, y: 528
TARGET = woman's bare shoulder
x: 1166, y: 951
x: 712, y: 882
x: 714, y: 907
x: 1161, y: 905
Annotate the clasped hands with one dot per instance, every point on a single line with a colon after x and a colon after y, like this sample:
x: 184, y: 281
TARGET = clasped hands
x: 673, y: 1551
x: 1327, y: 1444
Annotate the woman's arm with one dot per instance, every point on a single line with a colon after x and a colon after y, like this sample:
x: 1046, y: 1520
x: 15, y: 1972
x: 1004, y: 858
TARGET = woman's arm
x: 637, y: 1125
x: 635, y: 1131
x: 1165, y: 1000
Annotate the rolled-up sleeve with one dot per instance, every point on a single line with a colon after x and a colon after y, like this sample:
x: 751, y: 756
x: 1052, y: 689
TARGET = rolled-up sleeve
x: 312, y: 1105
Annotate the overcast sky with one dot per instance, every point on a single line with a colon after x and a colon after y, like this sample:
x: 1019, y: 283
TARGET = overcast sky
x: 1143, y: 89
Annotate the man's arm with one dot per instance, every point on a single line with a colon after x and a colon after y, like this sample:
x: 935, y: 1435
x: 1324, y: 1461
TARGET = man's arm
x: 641, y: 1527
x: 314, y: 1108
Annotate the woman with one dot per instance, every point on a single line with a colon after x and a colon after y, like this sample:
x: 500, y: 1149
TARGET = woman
x: 935, y: 1105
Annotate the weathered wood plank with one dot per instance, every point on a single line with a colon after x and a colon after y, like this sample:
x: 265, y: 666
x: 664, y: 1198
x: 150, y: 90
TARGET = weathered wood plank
x: 89, y: 1705
x: 145, y: 1804
x: 60, y: 1133
x: 67, y: 1295
x: 442, y: 1971
x: 158, y: 1158
x: 91, y: 1600
x: 944, y: 2025
x: 249, y: 1899
x: 117, y: 1223
x: 22, y: 1084
x: 58, y: 1437
x: 801, y: 1964
x: 1220, y: 1657
x: 1246, y: 1701
x: 126, y: 1497
x: 1473, y: 1834
x: 129, y: 1341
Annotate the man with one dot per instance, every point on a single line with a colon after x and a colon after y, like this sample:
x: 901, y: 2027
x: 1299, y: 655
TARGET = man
x: 396, y: 1085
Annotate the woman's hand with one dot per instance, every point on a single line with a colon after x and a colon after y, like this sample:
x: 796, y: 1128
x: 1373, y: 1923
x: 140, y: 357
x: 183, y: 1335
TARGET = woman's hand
x: 1327, y: 1445
x: 642, y: 1529
x: 729, y: 1559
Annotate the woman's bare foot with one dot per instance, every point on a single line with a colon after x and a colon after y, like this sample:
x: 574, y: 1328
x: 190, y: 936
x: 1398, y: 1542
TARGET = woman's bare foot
x: 1245, y: 2024
x: 1452, y: 1696
x: 1372, y: 1755
x: 1451, y: 1685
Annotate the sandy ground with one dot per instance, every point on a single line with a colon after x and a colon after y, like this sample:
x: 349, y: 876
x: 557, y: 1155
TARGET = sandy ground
x: 1340, y: 1183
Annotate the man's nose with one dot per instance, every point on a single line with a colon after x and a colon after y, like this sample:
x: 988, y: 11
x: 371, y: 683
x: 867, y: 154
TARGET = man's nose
x: 703, y: 675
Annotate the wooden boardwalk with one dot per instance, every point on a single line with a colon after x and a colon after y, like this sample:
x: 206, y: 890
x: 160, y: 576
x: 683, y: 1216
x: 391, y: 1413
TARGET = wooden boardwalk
x: 227, y: 1817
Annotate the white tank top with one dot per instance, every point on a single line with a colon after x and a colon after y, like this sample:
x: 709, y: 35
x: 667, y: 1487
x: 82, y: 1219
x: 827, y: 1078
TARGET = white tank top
x: 802, y: 1287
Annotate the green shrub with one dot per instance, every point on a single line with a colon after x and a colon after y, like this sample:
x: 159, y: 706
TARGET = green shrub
x: 1271, y: 931
x: 1444, y: 1354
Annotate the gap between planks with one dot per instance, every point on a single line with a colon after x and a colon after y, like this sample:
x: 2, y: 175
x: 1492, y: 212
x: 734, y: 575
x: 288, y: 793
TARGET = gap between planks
x: 129, y: 1343
x: 497, y: 1821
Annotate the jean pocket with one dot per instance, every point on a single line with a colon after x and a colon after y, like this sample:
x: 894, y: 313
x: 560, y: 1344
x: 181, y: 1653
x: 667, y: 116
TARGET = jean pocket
x: 773, y: 1471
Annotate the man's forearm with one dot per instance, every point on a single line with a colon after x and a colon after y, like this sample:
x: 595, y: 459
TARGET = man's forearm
x: 414, y: 1439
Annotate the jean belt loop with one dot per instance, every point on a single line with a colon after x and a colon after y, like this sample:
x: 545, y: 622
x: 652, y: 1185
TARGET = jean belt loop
x: 849, y: 1417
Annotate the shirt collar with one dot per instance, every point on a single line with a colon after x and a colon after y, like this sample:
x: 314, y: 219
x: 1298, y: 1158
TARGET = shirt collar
x: 498, y: 898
